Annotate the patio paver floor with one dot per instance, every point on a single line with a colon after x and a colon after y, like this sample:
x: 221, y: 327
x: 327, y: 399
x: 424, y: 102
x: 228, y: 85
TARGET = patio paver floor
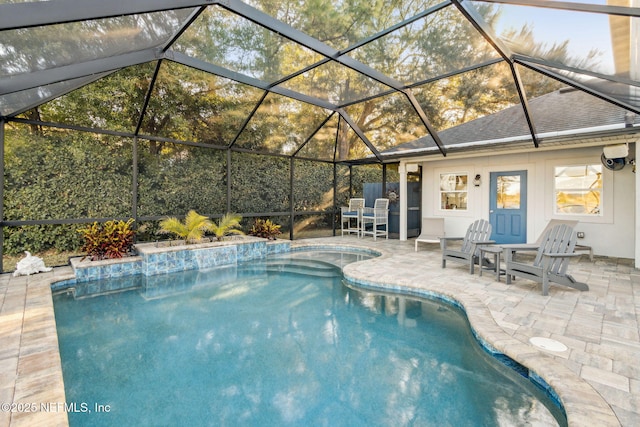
x: 600, y: 328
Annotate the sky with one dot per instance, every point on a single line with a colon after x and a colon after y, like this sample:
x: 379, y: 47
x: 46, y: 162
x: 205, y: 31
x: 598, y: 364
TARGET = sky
x: 585, y: 31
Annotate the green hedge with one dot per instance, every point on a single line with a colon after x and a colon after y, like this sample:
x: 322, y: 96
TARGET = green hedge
x: 67, y: 175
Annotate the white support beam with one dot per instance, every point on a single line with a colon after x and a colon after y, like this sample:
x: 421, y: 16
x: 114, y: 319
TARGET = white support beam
x: 637, y: 213
x: 634, y: 74
x: 402, y: 169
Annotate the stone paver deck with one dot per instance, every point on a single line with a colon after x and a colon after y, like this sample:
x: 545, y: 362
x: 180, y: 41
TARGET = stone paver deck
x: 597, y: 378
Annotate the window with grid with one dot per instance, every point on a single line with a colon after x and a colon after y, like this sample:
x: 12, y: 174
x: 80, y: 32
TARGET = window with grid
x: 453, y: 191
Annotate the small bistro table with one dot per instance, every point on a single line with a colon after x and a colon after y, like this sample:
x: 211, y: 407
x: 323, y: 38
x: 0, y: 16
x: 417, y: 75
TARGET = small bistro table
x: 495, y: 251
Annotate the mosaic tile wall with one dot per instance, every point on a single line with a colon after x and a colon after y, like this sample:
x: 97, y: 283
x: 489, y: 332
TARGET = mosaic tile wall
x: 171, y: 261
x: 108, y: 270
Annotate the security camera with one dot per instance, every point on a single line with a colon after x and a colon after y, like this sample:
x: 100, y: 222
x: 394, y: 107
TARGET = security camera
x: 614, y: 157
x: 618, y: 151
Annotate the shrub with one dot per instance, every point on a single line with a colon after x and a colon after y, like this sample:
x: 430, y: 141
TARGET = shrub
x: 112, y: 239
x: 191, y: 230
x: 228, y: 224
x: 265, y: 228
x: 62, y: 175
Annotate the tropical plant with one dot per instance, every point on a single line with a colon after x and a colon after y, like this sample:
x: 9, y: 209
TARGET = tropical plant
x: 112, y: 239
x: 227, y: 225
x: 265, y: 228
x: 191, y: 230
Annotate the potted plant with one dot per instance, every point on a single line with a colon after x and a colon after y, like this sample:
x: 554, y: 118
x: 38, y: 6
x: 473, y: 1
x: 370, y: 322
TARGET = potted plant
x: 227, y: 225
x: 191, y: 230
x: 109, y: 240
x: 265, y: 228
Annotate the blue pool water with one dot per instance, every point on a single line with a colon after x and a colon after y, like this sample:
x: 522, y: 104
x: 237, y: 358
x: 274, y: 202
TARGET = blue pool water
x: 281, y: 342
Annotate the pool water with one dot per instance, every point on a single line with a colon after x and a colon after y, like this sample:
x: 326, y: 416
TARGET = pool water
x: 281, y: 342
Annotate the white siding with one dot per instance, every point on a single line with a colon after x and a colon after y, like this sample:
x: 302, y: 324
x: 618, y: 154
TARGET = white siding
x: 612, y: 234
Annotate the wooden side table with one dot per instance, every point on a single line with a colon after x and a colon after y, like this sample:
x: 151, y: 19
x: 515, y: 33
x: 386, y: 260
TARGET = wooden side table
x: 491, y: 250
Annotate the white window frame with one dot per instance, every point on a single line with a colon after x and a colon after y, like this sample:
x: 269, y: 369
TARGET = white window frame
x: 440, y: 191
x: 606, y: 195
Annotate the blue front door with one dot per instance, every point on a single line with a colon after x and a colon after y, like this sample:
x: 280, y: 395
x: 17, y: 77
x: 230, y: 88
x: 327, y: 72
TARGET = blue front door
x: 508, y: 206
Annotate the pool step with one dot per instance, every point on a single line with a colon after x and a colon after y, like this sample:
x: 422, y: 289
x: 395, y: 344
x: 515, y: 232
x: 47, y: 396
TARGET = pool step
x: 106, y: 286
x: 303, y: 266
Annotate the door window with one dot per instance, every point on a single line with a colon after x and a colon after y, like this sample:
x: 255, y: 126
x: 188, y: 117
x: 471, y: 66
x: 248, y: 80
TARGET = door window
x: 508, y: 192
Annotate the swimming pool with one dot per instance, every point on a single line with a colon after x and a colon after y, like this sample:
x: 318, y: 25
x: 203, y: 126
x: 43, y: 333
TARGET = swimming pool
x: 281, y: 342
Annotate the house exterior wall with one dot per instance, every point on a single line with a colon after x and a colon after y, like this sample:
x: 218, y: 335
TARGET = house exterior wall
x: 611, y: 234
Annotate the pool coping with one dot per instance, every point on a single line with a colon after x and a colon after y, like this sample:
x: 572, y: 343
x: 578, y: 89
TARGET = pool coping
x: 32, y: 370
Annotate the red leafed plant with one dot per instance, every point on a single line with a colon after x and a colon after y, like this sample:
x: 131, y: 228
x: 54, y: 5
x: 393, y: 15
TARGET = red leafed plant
x: 265, y: 228
x: 112, y: 239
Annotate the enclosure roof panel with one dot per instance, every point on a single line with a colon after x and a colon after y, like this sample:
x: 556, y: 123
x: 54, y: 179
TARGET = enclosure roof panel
x: 341, y: 81
x: 561, y: 111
